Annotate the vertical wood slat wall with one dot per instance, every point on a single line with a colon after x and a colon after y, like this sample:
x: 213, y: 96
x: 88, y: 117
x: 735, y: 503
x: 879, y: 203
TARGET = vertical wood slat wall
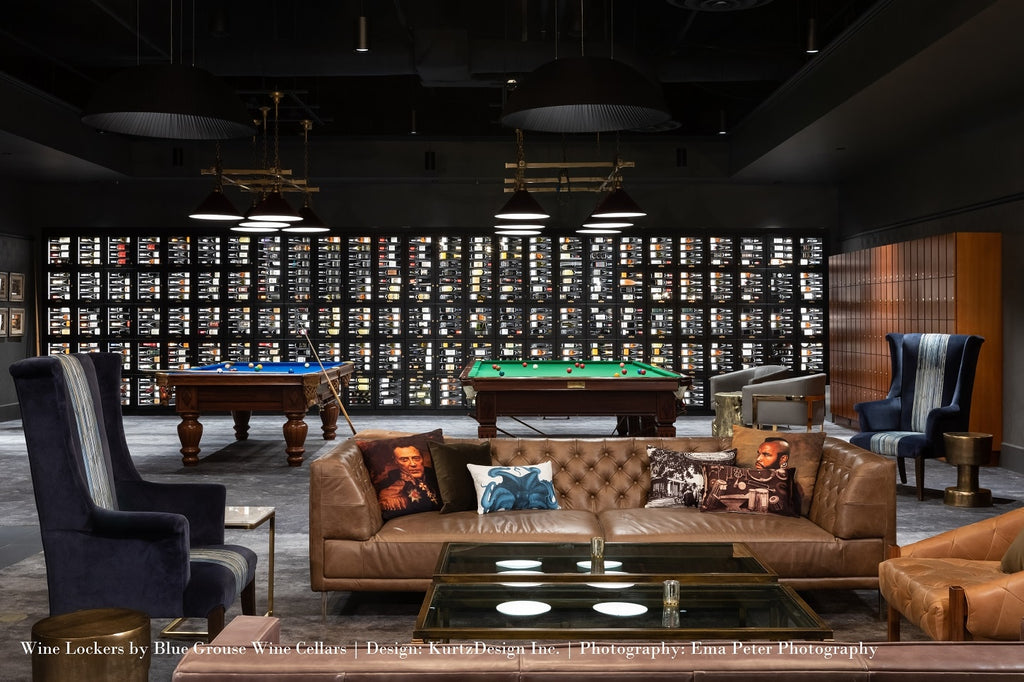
x: 948, y: 283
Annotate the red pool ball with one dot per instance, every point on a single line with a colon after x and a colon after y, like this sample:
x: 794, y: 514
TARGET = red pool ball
x: 524, y: 364
x: 643, y: 371
x: 568, y: 370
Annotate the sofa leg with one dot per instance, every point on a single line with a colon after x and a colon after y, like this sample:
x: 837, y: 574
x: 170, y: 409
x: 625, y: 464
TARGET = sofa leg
x: 956, y: 616
x: 323, y: 607
x: 249, y: 598
x: 893, y: 622
x: 214, y: 622
x: 901, y: 465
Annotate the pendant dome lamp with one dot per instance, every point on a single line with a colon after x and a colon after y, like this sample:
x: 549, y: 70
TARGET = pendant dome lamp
x: 521, y: 206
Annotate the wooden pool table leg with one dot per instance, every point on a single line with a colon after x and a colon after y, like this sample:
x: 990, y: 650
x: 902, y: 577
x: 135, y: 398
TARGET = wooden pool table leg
x: 329, y: 419
x: 241, y: 419
x: 295, y: 430
x: 190, y: 431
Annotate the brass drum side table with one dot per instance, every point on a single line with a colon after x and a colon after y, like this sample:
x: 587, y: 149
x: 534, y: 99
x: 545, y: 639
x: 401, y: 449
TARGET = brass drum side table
x: 968, y: 450
x: 92, y: 644
x: 728, y: 413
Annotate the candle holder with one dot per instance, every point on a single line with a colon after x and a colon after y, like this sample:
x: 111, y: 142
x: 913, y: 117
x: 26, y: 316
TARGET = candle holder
x: 597, y: 555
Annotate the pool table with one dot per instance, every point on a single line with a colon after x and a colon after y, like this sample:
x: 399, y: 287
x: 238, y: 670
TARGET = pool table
x: 635, y: 392
x: 243, y: 388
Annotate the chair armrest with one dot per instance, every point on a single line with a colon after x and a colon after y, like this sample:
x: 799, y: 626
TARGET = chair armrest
x: 811, y: 403
x: 985, y: 540
x: 201, y: 503
x: 879, y: 415
x: 943, y: 419
x: 855, y: 493
x: 995, y: 607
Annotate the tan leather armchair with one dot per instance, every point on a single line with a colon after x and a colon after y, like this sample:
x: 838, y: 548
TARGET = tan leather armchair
x: 951, y: 585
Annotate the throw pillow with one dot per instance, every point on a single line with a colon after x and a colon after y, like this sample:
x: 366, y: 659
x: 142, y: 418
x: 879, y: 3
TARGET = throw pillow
x: 804, y: 455
x: 755, y: 491
x: 676, y: 480
x: 521, y: 487
x: 458, y: 493
x: 718, y: 457
x: 1013, y: 560
x: 403, y: 473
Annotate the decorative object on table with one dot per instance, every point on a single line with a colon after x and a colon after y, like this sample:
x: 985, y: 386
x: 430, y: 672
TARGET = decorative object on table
x: 930, y: 394
x: 965, y: 583
x: 110, y: 538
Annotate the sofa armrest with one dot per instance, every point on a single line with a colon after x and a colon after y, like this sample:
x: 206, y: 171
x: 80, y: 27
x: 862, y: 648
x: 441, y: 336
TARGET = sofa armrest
x: 855, y: 493
x: 985, y: 540
x: 244, y: 630
x: 342, y: 501
x: 994, y: 607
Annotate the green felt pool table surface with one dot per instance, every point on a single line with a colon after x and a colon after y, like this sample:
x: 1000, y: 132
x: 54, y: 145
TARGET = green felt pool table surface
x: 645, y: 404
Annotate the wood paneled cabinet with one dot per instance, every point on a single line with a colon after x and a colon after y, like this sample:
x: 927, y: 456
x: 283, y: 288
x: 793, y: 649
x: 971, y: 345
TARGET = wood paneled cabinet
x: 949, y: 283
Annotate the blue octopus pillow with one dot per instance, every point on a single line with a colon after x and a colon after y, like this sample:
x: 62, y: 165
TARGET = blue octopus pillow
x: 504, y: 488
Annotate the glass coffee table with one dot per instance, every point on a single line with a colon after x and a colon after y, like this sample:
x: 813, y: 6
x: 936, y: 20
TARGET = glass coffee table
x: 545, y: 591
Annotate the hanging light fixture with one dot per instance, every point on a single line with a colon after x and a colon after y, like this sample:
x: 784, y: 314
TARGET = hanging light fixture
x: 273, y: 207
x: 171, y: 101
x: 585, y: 95
x: 812, y: 37
x: 311, y: 222
x: 362, y: 34
x: 521, y: 206
x: 216, y: 206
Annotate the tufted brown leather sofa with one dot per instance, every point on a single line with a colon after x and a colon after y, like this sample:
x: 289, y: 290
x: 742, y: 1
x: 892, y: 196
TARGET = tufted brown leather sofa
x: 602, y: 487
x: 232, y: 657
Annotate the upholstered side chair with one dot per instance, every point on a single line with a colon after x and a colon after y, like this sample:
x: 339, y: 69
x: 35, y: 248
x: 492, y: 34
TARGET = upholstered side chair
x: 735, y: 381
x: 794, y: 401
x: 110, y: 538
x: 966, y: 583
x: 930, y: 394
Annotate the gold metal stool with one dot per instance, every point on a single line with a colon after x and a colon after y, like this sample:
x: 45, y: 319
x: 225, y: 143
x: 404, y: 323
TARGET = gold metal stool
x: 968, y: 450
x: 93, y: 644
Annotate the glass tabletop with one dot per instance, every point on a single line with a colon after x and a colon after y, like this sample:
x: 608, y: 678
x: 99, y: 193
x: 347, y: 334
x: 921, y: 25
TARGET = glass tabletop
x: 687, y: 562
x: 585, y: 610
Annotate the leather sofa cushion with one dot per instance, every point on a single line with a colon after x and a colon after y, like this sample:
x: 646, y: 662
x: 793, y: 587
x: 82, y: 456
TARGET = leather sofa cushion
x: 520, y: 525
x: 793, y: 547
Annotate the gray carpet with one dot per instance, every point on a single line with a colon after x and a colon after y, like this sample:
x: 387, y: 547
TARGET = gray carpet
x: 255, y: 472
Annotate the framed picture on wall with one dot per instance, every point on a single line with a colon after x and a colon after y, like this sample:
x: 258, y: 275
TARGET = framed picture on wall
x: 3, y: 286
x: 3, y: 322
x: 16, y: 287
x: 16, y: 322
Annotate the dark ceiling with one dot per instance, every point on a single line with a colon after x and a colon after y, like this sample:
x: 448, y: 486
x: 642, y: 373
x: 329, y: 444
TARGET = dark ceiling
x: 436, y: 66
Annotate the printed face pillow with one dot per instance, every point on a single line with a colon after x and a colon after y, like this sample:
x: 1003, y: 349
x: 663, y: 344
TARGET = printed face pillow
x: 752, y: 491
x: 772, y: 449
x: 403, y: 473
x: 521, y: 487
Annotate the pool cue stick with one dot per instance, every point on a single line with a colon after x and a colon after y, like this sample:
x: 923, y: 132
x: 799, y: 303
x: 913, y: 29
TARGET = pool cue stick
x: 330, y: 383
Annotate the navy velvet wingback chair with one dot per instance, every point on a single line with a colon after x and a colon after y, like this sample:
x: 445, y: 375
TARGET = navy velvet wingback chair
x: 111, y: 539
x: 930, y: 394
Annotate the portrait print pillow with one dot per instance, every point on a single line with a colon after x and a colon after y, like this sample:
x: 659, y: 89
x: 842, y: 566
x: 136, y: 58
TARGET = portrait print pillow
x: 805, y: 451
x: 402, y: 473
x: 501, y: 488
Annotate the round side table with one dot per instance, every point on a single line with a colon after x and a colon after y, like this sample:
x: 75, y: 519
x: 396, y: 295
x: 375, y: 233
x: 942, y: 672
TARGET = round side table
x: 968, y: 450
x: 728, y: 413
x: 93, y: 644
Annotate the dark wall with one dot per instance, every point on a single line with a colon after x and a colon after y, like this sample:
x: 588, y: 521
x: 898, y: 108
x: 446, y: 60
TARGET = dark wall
x: 17, y: 249
x: 971, y: 181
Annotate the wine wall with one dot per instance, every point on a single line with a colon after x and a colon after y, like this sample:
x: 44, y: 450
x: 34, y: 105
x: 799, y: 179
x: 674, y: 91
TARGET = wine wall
x: 411, y: 311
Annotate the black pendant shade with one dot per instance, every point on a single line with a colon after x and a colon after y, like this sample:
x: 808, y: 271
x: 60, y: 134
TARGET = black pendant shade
x: 585, y: 95
x: 216, y: 206
x: 171, y: 101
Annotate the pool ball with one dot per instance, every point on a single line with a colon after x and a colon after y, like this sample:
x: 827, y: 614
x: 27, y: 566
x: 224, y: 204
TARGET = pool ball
x: 535, y: 366
x: 291, y: 370
x: 306, y: 365
x: 622, y: 364
x: 501, y: 373
x: 252, y: 364
x: 524, y: 364
x: 616, y: 374
x: 643, y: 371
x: 220, y: 369
x: 258, y: 368
x: 227, y: 365
x: 624, y: 372
x: 568, y: 370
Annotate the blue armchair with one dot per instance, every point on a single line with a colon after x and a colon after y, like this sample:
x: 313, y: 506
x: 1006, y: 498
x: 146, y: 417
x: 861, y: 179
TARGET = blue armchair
x: 111, y: 539
x: 930, y: 394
